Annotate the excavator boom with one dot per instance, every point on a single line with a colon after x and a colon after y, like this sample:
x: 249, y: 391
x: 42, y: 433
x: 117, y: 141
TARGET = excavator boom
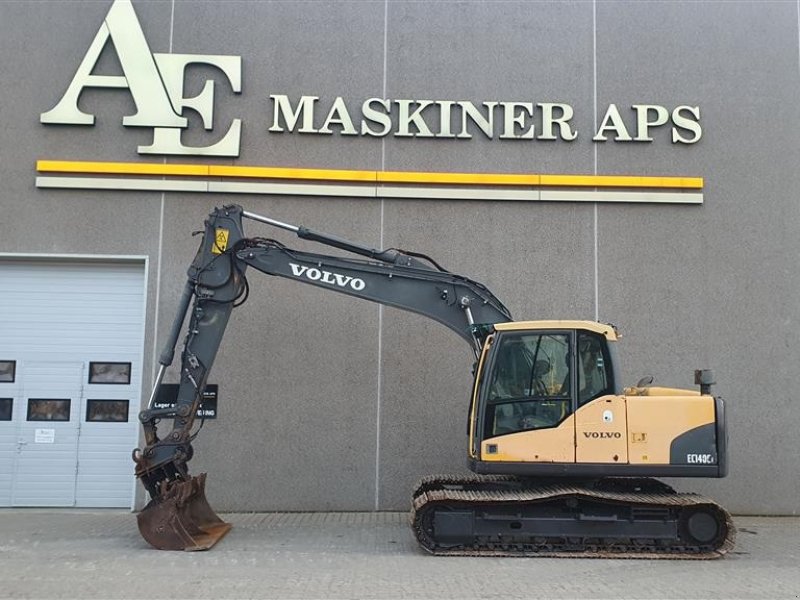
x: 178, y: 515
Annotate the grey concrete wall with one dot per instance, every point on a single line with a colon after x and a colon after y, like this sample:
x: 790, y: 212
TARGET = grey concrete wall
x: 332, y: 403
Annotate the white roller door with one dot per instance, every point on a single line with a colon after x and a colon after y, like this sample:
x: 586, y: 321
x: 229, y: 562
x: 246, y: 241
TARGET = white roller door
x: 71, y: 340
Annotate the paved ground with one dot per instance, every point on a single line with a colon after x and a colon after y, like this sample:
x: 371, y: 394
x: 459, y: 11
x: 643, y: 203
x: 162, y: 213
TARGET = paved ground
x: 99, y: 554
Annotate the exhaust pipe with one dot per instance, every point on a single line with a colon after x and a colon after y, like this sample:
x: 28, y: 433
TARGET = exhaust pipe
x: 705, y: 379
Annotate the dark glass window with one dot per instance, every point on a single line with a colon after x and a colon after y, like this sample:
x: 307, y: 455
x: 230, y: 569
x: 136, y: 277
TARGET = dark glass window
x: 594, y: 376
x: 46, y: 409
x: 531, y: 365
x: 8, y: 371
x: 110, y: 372
x: 107, y: 411
x: 5, y: 408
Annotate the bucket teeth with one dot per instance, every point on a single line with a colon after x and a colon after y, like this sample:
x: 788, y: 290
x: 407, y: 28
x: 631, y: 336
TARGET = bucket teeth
x: 180, y: 518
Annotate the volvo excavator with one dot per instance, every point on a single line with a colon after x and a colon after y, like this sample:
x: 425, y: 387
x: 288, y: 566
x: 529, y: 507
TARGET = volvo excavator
x: 564, y: 458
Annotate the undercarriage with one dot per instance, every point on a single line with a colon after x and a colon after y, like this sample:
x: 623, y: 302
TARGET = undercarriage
x: 611, y: 517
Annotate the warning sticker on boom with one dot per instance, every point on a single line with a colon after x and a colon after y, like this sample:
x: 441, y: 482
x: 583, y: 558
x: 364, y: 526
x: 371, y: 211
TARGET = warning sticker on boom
x: 220, y: 241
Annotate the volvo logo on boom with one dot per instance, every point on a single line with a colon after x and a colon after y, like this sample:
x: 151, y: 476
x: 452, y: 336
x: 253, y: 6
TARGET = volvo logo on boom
x: 337, y: 279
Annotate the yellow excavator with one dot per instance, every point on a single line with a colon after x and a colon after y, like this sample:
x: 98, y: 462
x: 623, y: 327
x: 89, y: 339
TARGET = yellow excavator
x: 564, y: 457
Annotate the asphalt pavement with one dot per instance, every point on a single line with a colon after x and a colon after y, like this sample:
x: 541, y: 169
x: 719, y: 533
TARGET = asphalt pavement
x: 78, y: 553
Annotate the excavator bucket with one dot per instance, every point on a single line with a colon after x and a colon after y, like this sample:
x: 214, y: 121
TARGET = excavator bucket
x: 180, y: 518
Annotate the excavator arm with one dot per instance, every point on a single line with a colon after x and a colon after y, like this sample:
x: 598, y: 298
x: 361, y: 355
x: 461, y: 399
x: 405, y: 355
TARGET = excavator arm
x: 178, y: 515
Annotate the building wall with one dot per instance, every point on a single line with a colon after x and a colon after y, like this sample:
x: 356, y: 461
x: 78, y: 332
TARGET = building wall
x: 332, y: 403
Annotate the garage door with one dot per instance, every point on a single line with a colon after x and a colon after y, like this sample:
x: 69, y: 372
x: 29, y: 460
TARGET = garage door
x: 70, y: 380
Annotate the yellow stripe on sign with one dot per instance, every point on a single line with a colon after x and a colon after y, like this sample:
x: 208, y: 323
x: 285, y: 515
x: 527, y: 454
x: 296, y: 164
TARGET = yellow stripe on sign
x: 355, y: 176
x: 621, y: 181
x: 289, y: 173
x: 457, y: 178
x: 119, y: 168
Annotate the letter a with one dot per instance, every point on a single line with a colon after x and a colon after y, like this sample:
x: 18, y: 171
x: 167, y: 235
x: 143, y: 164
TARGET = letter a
x: 613, y: 121
x: 140, y: 77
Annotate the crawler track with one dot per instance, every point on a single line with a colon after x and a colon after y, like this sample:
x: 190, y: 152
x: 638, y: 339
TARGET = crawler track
x: 619, y: 518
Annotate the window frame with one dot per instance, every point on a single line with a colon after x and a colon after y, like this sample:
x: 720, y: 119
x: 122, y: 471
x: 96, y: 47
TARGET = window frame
x: 486, y: 382
x: 93, y: 401
x: 608, y: 365
x: 13, y: 364
x: 10, y: 410
x: 93, y: 363
x: 69, y: 410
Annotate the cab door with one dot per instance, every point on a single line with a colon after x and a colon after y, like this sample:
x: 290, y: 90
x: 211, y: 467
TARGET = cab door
x: 601, y: 432
x: 528, y: 398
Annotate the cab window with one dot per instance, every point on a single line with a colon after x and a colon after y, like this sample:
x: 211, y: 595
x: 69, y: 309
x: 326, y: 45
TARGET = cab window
x: 529, y: 387
x: 594, y: 376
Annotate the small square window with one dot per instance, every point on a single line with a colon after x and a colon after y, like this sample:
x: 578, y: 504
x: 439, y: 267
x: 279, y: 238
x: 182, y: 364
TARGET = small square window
x: 118, y: 373
x: 5, y: 408
x: 8, y: 371
x: 107, y: 411
x: 47, y: 409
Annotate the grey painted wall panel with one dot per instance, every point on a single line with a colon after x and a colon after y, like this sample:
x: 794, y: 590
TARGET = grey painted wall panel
x: 334, y: 49
x: 484, y: 52
x: 535, y: 257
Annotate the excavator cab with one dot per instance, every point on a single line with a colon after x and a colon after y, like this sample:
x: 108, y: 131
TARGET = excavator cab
x: 547, y: 401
